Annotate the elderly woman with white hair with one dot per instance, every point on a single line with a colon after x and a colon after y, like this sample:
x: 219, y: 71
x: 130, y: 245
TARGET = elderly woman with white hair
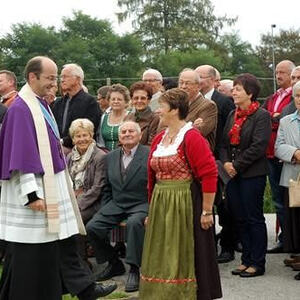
x: 86, y: 167
x: 287, y: 149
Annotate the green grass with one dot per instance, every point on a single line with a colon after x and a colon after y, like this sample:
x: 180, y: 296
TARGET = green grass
x: 268, y: 203
x: 114, y: 295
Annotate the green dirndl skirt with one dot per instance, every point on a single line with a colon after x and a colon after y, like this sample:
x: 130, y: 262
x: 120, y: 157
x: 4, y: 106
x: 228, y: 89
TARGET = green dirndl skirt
x: 168, y: 264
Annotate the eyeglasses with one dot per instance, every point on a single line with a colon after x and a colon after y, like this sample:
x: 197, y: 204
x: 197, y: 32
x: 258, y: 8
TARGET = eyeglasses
x: 65, y: 76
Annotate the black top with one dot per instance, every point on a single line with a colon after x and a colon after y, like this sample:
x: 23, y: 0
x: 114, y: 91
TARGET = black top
x: 249, y: 157
x: 225, y: 105
x: 82, y: 105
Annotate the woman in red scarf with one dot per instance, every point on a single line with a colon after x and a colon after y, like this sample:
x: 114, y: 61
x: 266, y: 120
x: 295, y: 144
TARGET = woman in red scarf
x: 246, y: 135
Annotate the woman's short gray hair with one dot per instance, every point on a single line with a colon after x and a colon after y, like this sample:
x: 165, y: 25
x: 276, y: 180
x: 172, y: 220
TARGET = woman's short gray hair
x: 296, y: 88
x: 136, y: 125
x: 81, y: 124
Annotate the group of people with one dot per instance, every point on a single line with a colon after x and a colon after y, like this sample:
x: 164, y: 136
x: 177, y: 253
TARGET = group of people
x: 157, y: 161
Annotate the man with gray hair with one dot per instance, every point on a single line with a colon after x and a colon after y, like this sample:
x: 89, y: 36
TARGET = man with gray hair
x: 75, y: 102
x: 225, y: 87
x: 295, y: 77
x: 154, y: 79
x: 274, y: 105
x: 207, y: 76
x: 124, y: 197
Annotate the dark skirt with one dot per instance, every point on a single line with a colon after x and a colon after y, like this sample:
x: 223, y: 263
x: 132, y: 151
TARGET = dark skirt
x: 43, y: 271
x: 291, y: 238
x: 206, y: 267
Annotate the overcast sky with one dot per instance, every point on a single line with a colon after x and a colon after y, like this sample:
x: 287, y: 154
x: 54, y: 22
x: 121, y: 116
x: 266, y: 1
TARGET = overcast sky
x: 254, y: 17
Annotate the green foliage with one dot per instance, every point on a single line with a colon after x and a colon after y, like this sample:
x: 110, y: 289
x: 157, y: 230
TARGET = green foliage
x: 286, y: 46
x: 114, y: 295
x: 168, y: 25
x: 175, y: 61
x: 268, y: 203
x: 26, y: 41
x: 84, y: 40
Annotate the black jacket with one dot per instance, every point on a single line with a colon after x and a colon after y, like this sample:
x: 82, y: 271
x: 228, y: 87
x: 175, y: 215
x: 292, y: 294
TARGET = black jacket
x: 225, y: 106
x: 82, y: 105
x: 249, y: 157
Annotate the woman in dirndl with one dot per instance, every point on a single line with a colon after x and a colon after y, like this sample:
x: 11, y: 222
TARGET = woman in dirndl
x: 179, y: 260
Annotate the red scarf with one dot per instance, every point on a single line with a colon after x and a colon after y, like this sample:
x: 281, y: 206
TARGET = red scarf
x: 240, y: 117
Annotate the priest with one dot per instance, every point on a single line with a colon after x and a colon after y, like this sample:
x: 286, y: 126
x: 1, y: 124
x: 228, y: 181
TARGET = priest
x: 39, y: 217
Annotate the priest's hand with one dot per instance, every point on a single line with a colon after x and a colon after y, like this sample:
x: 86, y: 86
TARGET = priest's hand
x: 38, y: 205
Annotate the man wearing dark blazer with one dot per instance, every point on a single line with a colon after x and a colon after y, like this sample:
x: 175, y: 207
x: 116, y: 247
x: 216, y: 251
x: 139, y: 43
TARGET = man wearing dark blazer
x: 74, y: 104
x: 124, y: 197
x: 225, y: 105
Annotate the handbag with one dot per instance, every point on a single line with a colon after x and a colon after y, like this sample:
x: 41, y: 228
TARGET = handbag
x: 294, y: 192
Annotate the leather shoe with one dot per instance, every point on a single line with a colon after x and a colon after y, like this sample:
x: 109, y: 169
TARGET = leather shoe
x: 238, y: 271
x: 97, y: 290
x: 116, y: 268
x: 296, y: 266
x: 132, y: 283
x: 102, y: 291
x: 276, y: 249
x: 297, y: 277
x: 290, y: 261
x: 225, y: 257
x: 257, y: 272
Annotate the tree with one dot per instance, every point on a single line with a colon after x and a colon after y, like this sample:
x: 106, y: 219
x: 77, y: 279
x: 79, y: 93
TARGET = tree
x: 239, y: 57
x: 172, y: 63
x: 165, y: 25
x: 26, y: 41
x: 84, y: 40
x: 286, y: 46
x: 91, y: 43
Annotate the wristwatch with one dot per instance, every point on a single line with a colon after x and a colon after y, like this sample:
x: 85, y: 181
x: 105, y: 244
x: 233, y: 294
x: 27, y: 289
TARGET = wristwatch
x: 206, y: 213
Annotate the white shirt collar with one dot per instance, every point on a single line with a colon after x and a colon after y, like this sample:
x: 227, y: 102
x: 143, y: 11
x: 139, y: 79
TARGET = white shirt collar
x: 208, y: 95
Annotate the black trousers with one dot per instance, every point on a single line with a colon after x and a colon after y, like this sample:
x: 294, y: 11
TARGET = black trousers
x: 43, y: 271
x: 99, y: 227
x: 246, y: 197
x: 229, y: 233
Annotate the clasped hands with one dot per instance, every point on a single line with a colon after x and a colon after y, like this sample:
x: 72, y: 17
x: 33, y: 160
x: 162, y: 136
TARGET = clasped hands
x: 229, y: 168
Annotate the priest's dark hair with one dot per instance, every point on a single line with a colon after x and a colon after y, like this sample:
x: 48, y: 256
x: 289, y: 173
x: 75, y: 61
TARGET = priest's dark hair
x: 34, y: 65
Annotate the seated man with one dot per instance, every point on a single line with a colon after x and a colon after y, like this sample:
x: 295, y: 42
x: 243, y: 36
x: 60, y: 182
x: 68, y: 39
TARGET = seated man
x: 124, y: 197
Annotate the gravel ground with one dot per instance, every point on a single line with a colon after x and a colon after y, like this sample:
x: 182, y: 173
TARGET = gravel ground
x: 277, y: 283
